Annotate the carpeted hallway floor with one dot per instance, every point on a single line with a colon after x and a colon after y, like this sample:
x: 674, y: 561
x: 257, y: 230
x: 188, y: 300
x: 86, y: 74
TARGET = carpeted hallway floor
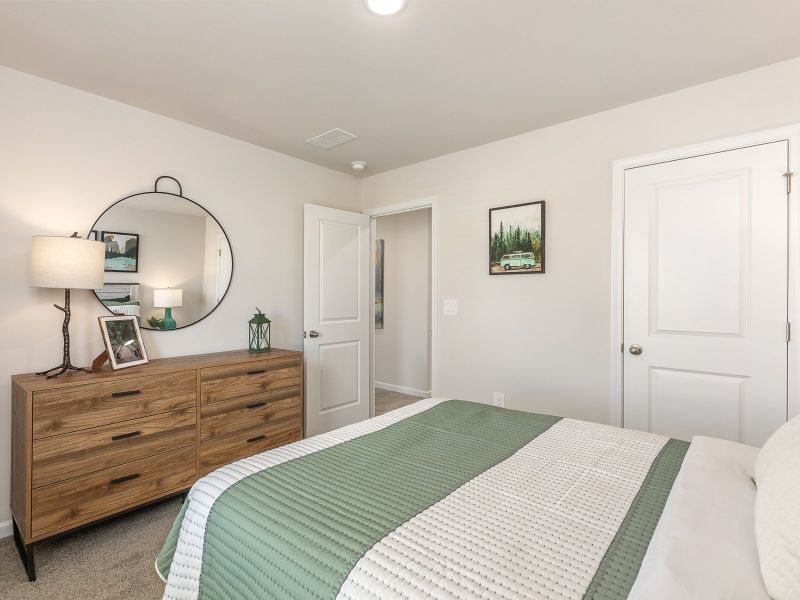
x: 108, y: 561
x: 386, y: 401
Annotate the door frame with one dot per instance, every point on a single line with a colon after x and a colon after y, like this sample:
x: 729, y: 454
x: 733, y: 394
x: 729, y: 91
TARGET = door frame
x: 432, y: 203
x: 790, y: 134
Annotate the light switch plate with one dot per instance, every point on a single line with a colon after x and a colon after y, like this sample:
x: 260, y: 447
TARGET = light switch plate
x: 451, y: 307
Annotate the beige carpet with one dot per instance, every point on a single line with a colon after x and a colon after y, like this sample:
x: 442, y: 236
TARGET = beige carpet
x: 386, y: 401
x: 111, y: 560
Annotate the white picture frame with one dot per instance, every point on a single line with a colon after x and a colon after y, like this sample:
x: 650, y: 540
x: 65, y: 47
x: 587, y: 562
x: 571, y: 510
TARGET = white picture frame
x: 123, y: 341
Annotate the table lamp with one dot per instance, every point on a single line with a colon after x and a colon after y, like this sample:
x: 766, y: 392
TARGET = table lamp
x: 168, y: 298
x: 69, y: 263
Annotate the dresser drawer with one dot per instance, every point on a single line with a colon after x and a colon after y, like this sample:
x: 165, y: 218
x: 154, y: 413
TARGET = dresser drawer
x: 64, y: 505
x: 235, y: 381
x: 224, y: 418
x: 61, y: 457
x: 93, y: 405
x: 225, y: 450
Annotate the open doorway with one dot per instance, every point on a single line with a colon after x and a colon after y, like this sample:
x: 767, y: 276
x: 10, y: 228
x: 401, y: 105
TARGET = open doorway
x: 403, y: 316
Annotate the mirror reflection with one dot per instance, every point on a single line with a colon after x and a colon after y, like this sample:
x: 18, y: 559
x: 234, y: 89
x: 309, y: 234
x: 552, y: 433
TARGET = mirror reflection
x: 168, y: 260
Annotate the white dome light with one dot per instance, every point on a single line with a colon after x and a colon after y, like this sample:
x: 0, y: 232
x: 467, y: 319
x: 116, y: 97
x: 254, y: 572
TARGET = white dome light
x: 386, y: 7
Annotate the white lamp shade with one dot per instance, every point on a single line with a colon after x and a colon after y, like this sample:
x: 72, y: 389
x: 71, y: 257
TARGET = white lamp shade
x: 67, y: 262
x: 167, y: 298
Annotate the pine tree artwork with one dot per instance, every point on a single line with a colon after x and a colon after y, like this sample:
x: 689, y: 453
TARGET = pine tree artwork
x: 516, y: 239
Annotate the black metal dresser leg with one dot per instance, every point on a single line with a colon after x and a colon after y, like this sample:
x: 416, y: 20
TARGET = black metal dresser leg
x: 25, y: 553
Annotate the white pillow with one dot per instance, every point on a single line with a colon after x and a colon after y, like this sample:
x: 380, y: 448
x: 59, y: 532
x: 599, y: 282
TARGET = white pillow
x: 778, y: 511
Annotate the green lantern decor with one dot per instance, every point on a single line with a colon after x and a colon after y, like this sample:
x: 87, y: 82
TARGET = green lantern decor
x: 259, y: 332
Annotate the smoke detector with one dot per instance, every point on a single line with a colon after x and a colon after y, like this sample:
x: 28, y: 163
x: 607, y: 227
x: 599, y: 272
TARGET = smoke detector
x: 358, y: 166
x: 331, y: 139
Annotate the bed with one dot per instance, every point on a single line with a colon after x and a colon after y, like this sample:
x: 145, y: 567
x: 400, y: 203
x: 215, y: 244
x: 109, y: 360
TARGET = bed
x: 453, y: 499
x: 122, y: 299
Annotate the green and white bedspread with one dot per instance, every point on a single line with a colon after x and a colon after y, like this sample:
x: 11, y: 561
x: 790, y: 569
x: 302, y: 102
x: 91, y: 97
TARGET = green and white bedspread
x: 442, y: 498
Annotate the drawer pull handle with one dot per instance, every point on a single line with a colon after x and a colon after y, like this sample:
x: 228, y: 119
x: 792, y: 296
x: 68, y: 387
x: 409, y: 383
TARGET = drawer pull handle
x: 126, y: 478
x: 256, y: 405
x: 257, y: 372
x: 128, y: 393
x: 123, y: 436
x: 255, y: 439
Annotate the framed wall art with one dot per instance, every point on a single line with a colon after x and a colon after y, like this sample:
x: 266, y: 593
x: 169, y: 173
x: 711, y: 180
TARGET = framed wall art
x: 122, y: 251
x: 516, y: 239
x: 379, y: 246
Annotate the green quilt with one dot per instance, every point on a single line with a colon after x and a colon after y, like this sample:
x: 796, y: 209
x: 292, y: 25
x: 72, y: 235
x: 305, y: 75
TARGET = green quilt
x: 298, y: 529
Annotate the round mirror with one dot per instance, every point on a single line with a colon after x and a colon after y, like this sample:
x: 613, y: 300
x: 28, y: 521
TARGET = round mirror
x: 168, y: 260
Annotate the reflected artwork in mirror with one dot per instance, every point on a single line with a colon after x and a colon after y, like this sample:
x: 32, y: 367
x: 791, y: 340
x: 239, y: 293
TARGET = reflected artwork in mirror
x: 173, y: 264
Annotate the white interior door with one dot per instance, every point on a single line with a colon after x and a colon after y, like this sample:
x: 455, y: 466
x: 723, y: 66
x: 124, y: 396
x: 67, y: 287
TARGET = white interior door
x: 224, y: 266
x: 336, y: 318
x: 705, y: 298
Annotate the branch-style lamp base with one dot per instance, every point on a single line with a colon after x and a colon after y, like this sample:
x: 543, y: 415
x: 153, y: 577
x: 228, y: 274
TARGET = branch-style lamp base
x: 66, y: 366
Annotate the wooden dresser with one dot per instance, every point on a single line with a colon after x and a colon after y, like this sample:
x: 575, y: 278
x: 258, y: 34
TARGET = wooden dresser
x: 85, y: 447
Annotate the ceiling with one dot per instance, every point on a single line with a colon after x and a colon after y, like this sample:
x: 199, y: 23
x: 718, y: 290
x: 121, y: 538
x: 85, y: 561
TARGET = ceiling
x: 441, y: 76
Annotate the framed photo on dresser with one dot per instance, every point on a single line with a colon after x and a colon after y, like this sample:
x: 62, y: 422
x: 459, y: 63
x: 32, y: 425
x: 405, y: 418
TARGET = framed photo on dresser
x: 123, y: 341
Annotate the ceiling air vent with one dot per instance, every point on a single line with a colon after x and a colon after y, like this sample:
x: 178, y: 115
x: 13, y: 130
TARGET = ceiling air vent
x: 331, y: 139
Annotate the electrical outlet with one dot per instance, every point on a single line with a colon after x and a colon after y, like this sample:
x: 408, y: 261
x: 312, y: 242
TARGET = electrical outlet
x: 499, y: 399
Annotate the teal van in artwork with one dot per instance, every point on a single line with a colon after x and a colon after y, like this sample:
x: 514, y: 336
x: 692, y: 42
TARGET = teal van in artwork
x: 517, y: 260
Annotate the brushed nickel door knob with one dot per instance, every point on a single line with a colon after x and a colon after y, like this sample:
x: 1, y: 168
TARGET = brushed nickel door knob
x: 635, y: 349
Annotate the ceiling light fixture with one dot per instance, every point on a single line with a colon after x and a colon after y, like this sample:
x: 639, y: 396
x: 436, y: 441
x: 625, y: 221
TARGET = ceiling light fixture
x: 386, y: 7
x: 358, y: 166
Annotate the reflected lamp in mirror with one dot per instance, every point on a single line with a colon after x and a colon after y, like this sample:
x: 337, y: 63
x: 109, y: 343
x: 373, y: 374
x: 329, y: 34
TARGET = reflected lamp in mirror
x: 176, y: 241
x: 259, y: 332
x: 168, y: 298
x: 68, y: 263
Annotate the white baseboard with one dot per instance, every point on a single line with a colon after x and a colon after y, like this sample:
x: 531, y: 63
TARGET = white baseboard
x: 6, y: 529
x: 390, y: 387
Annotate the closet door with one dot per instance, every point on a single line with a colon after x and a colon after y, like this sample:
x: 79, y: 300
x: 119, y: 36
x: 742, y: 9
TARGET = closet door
x: 705, y: 302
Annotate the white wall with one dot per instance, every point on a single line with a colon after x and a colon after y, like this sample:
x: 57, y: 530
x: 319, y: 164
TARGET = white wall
x: 545, y: 340
x: 402, y: 347
x: 66, y: 155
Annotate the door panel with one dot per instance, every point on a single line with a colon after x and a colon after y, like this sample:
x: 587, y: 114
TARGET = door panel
x: 706, y: 295
x: 712, y: 266
x: 684, y: 402
x: 336, y: 309
x: 340, y: 374
x: 339, y: 271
